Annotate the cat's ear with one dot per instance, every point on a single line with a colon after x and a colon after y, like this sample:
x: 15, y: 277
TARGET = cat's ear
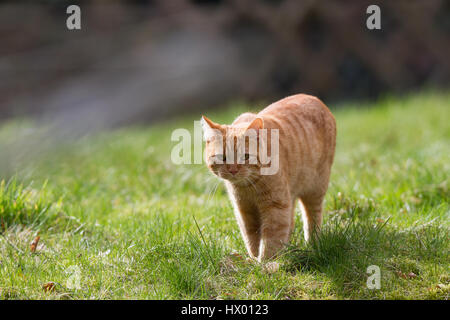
x: 210, y: 129
x: 256, y: 124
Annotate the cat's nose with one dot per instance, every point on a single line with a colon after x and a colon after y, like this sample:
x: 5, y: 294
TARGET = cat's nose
x: 233, y: 170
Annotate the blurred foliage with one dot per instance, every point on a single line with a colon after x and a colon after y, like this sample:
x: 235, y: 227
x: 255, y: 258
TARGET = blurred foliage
x: 151, y: 59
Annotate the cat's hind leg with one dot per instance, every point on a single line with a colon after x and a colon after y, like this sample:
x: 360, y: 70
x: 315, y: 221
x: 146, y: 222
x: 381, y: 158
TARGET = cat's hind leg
x: 311, y: 208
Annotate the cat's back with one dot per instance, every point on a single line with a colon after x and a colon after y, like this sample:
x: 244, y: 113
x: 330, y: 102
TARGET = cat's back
x: 307, y: 131
x: 299, y: 107
x: 300, y: 112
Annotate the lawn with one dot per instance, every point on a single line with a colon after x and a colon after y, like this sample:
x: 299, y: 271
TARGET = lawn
x: 118, y: 220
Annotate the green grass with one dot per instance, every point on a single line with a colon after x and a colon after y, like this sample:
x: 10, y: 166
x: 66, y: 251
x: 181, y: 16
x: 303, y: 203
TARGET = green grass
x: 112, y: 210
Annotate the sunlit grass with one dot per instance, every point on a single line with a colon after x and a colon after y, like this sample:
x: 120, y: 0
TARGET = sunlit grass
x: 133, y: 225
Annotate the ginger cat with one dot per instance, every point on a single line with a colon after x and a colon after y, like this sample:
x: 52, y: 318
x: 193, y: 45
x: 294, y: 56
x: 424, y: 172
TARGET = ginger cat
x: 264, y: 203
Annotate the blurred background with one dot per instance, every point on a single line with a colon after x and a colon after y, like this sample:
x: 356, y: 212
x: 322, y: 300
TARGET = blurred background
x: 143, y: 61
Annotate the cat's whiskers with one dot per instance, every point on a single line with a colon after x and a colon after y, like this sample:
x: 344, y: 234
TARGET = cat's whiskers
x: 252, y: 185
x: 212, y: 192
x: 260, y: 185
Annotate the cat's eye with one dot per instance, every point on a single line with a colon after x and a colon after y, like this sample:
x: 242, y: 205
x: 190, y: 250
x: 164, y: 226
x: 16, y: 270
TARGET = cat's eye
x: 247, y: 157
x: 220, y: 157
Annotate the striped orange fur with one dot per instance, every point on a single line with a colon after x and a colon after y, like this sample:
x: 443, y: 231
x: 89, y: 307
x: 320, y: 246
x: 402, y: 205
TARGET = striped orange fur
x: 264, y: 204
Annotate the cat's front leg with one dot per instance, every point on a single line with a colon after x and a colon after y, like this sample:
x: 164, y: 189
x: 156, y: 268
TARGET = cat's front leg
x: 275, y: 231
x: 250, y: 231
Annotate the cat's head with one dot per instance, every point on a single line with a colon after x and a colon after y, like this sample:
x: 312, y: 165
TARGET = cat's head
x: 231, y: 151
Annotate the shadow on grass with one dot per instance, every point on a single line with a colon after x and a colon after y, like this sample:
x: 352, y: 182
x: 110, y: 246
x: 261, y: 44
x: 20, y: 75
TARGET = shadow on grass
x: 346, y: 247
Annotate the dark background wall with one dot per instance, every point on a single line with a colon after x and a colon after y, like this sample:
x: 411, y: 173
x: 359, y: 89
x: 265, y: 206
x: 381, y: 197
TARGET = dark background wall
x: 146, y: 60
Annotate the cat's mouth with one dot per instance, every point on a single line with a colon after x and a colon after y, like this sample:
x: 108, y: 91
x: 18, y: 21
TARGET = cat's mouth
x: 238, y: 178
x: 231, y: 177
